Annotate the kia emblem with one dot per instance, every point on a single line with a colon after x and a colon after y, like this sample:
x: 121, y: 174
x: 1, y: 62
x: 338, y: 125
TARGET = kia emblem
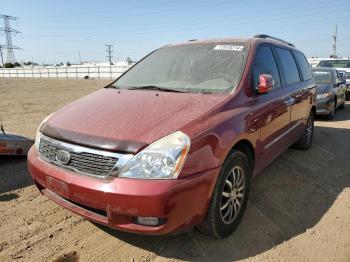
x: 63, y: 157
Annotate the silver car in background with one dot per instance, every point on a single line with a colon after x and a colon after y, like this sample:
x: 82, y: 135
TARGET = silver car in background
x: 340, y: 64
x: 330, y: 91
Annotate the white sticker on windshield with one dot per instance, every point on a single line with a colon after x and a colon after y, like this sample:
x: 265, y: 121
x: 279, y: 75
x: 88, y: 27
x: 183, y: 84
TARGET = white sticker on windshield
x: 229, y: 47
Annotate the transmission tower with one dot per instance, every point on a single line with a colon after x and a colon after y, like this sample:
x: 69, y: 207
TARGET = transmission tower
x: 1, y: 55
x: 9, y: 32
x: 109, y: 53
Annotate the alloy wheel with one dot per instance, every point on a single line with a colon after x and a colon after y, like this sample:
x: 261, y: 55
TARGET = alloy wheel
x: 309, y: 128
x: 232, y: 195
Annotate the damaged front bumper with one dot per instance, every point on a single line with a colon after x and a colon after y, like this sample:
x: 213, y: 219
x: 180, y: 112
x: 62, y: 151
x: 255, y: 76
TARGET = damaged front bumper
x: 178, y: 204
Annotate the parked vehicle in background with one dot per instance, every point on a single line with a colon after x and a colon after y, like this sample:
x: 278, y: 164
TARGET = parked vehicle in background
x: 11, y: 144
x: 341, y: 65
x: 330, y: 91
x: 175, y: 141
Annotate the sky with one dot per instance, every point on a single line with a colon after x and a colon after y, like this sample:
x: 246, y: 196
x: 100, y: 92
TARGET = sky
x: 58, y: 31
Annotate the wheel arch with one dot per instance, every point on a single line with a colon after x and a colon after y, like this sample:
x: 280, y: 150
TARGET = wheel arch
x: 247, y: 148
x: 313, y: 110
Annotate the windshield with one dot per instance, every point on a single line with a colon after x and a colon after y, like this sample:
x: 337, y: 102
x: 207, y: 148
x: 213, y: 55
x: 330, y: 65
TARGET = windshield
x: 322, y: 77
x: 201, y: 68
x: 341, y: 63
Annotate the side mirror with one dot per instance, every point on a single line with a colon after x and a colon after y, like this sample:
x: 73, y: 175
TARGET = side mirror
x: 265, y: 83
x: 342, y: 81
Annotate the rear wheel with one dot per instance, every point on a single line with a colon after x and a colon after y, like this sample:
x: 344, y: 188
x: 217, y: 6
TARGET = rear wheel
x: 229, y: 198
x: 347, y: 95
x: 305, y: 141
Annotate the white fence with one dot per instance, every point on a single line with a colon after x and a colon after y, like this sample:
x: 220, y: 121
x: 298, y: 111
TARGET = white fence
x: 65, y: 72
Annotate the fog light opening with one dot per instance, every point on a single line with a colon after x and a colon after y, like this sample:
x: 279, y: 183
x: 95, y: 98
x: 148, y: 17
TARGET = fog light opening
x: 149, y: 221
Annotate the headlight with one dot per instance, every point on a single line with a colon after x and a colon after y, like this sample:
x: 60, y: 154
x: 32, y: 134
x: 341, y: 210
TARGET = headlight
x: 38, y: 133
x: 324, y: 95
x: 162, y: 159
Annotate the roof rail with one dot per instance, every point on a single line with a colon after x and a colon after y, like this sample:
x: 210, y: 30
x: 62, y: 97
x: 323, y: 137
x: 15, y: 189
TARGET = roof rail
x: 274, y: 38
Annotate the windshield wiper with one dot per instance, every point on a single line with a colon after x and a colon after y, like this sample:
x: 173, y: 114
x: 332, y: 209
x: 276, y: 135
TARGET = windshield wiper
x: 112, y: 86
x: 158, y: 88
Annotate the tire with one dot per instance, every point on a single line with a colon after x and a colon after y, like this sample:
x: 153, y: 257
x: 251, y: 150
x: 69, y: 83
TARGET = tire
x: 348, y: 96
x: 236, y: 171
x: 342, y: 106
x: 331, y: 114
x: 305, y: 141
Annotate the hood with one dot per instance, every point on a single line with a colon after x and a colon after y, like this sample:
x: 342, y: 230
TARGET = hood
x: 346, y: 69
x: 323, y: 88
x: 127, y: 120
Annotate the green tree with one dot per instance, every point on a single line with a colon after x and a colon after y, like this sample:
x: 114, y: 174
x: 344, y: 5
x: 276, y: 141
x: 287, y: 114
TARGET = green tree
x: 8, y: 65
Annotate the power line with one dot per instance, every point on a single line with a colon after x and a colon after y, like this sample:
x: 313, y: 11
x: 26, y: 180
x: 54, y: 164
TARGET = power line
x: 9, y: 31
x: 109, y: 53
x: 227, y: 23
x: 103, y: 12
x: 153, y: 12
x: 167, y: 10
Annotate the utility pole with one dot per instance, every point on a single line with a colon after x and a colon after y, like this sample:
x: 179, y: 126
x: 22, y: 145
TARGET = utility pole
x: 79, y: 57
x: 109, y: 53
x: 335, y: 43
x: 9, y: 31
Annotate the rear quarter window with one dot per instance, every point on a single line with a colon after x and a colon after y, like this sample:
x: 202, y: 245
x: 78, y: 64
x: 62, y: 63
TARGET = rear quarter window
x: 289, y: 66
x: 303, y: 65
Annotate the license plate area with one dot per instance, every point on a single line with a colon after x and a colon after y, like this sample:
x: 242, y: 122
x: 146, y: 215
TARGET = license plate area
x: 59, y: 187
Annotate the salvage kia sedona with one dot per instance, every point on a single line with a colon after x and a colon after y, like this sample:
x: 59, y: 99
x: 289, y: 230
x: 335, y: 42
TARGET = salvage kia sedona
x: 176, y: 140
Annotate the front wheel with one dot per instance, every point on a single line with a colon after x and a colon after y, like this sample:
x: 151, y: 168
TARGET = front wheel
x: 229, y: 198
x: 331, y: 114
x: 305, y: 141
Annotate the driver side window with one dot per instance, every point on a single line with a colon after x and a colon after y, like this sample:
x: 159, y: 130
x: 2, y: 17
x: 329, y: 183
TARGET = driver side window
x: 265, y: 63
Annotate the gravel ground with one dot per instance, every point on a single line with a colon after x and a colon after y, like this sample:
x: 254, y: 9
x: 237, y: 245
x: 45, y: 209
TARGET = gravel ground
x: 299, y: 208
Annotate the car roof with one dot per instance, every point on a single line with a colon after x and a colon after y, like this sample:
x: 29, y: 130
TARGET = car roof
x: 253, y: 41
x: 324, y: 69
x: 335, y: 59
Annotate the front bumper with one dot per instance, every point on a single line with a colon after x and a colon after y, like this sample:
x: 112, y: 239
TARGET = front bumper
x: 180, y: 203
x: 324, y: 106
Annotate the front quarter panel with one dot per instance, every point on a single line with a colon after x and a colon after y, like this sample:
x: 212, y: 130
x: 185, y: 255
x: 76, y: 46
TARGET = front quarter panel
x: 214, y: 137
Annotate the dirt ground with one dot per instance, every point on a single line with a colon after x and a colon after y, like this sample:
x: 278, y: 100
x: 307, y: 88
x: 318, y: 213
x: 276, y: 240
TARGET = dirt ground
x: 299, y: 207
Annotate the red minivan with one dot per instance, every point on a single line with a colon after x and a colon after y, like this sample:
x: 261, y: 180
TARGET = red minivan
x: 176, y: 140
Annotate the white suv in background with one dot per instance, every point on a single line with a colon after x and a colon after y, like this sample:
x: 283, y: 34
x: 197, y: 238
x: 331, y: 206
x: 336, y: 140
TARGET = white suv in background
x: 341, y: 64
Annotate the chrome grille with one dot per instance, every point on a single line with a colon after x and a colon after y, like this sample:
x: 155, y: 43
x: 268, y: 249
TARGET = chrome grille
x: 82, y: 160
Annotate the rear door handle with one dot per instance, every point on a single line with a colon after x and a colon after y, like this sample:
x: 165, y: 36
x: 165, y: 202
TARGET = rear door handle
x: 309, y: 88
x: 289, y: 101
